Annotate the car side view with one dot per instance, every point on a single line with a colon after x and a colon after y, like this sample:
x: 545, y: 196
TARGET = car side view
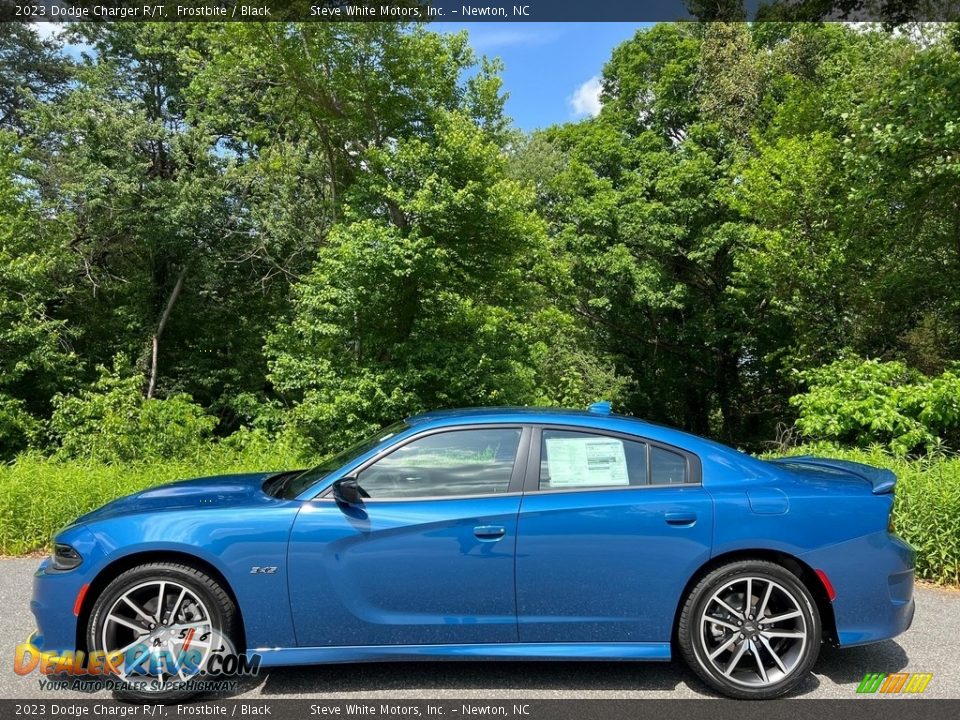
x: 495, y: 533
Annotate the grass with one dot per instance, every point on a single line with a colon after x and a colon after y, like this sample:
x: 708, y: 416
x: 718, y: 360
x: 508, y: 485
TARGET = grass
x: 39, y: 495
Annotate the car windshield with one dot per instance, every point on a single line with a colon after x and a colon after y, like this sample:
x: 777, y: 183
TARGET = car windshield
x: 292, y: 486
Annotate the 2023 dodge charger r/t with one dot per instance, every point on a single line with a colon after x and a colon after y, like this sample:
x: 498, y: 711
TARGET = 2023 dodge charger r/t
x: 521, y: 534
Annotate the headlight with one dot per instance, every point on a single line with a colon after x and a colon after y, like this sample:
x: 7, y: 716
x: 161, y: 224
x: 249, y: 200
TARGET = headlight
x: 65, y: 557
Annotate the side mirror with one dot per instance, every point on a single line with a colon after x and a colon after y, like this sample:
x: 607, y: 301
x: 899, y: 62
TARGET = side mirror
x: 347, y: 490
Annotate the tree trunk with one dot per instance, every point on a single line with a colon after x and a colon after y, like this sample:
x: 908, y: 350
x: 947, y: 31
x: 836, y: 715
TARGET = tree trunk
x: 155, y: 341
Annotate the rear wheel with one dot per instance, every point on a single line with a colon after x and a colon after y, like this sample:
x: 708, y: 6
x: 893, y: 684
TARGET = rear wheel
x: 750, y: 630
x: 167, y: 620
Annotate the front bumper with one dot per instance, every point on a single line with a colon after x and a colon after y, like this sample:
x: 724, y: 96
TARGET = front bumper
x: 873, y: 579
x: 55, y: 595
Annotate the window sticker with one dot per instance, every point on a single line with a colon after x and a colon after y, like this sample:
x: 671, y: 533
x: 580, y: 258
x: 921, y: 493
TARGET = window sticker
x: 586, y: 461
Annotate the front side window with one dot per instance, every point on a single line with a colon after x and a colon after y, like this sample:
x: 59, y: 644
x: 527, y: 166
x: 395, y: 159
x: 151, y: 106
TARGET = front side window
x: 291, y: 485
x: 570, y: 460
x: 460, y: 462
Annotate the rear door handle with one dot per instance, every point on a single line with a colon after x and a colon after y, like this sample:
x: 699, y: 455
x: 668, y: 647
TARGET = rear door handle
x: 489, y: 533
x: 680, y: 519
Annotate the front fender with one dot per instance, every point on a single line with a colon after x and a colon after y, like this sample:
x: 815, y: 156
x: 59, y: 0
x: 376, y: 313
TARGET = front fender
x: 233, y: 542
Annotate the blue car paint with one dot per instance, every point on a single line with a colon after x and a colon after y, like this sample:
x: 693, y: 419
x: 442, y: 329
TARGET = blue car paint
x: 604, y: 565
x: 391, y: 576
x: 578, y: 574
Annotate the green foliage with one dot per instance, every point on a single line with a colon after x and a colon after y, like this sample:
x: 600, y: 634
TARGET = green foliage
x: 752, y: 201
x: 17, y: 427
x: 926, y: 510
x: 423, y: 307
x: 867, y: 401
x: 568, y: 372
x: 112, y: 422
x: 642, y: 215
x: 36, y: 355
x: 31, y: 68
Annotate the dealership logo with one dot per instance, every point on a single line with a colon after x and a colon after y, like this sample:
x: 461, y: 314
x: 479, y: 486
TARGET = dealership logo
x: 145, y: 666
x: 894, y: 683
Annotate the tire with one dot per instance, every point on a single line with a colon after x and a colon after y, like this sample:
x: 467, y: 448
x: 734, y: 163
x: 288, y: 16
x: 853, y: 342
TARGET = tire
x: 191, y: 602
x: 750, y: 655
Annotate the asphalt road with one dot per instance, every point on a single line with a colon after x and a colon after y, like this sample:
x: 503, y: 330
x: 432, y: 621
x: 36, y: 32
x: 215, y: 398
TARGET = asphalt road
x: 931, y: 645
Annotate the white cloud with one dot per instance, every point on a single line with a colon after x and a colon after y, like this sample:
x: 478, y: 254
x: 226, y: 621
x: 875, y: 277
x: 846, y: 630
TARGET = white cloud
x: 500, y: 35
x: 586, y: 99
x: 48, y: 29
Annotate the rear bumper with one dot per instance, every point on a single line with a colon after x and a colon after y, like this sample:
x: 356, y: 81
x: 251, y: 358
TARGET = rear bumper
x: 873, y: 579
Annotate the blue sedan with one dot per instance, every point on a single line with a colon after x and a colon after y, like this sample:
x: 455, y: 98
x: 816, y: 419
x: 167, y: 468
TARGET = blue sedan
x: 498, y: 533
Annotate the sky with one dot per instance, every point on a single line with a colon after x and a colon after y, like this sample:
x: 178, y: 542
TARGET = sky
x: 552, y: 70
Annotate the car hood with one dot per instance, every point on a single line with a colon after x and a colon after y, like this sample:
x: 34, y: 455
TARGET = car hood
x: 209, y: 492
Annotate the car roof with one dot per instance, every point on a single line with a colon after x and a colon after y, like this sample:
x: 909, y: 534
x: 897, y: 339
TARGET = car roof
x: 521, y: 413
x: 597, y: 418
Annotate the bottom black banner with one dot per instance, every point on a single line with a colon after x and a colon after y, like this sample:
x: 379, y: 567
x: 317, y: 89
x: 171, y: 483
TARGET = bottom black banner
x: 872, y: 708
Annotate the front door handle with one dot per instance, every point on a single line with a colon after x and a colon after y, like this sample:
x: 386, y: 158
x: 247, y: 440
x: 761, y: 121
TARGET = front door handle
x: 489, y: 533
x: 680, y: 519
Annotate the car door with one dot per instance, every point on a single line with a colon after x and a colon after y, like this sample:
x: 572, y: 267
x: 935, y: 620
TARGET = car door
x: 611, y: 528
x: 427, y: 558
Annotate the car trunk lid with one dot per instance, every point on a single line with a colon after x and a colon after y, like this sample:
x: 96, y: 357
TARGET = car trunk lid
x: 881, y: 481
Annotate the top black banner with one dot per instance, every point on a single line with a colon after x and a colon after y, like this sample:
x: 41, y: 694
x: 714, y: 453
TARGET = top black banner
x: 889, y: 12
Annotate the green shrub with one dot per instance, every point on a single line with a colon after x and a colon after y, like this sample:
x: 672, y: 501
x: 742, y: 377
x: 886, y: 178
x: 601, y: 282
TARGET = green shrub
x: 17, y: 426
x: 113, y: 422
x: 862, y: 402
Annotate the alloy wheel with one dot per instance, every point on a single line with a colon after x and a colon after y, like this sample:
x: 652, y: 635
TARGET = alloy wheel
x: 163, y: 629
x: 753, y: 631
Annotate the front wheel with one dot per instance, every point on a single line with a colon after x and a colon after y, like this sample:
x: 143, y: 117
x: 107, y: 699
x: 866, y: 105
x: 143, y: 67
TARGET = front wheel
x: 166, y: 621
x: 750, y: 630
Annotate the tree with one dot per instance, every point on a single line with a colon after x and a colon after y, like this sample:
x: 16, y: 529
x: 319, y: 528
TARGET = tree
x: 162, y: 240
x: 643, y: 214
x: 36, y: 346
x: 419, y: 298
x: 31, y: 69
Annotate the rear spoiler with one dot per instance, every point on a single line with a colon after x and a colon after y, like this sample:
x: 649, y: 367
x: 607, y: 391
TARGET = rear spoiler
x: 882, y: 480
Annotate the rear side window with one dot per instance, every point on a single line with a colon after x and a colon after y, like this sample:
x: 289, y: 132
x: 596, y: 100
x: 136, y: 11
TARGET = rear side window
x: 667, y: 467
x: 570, y: 460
